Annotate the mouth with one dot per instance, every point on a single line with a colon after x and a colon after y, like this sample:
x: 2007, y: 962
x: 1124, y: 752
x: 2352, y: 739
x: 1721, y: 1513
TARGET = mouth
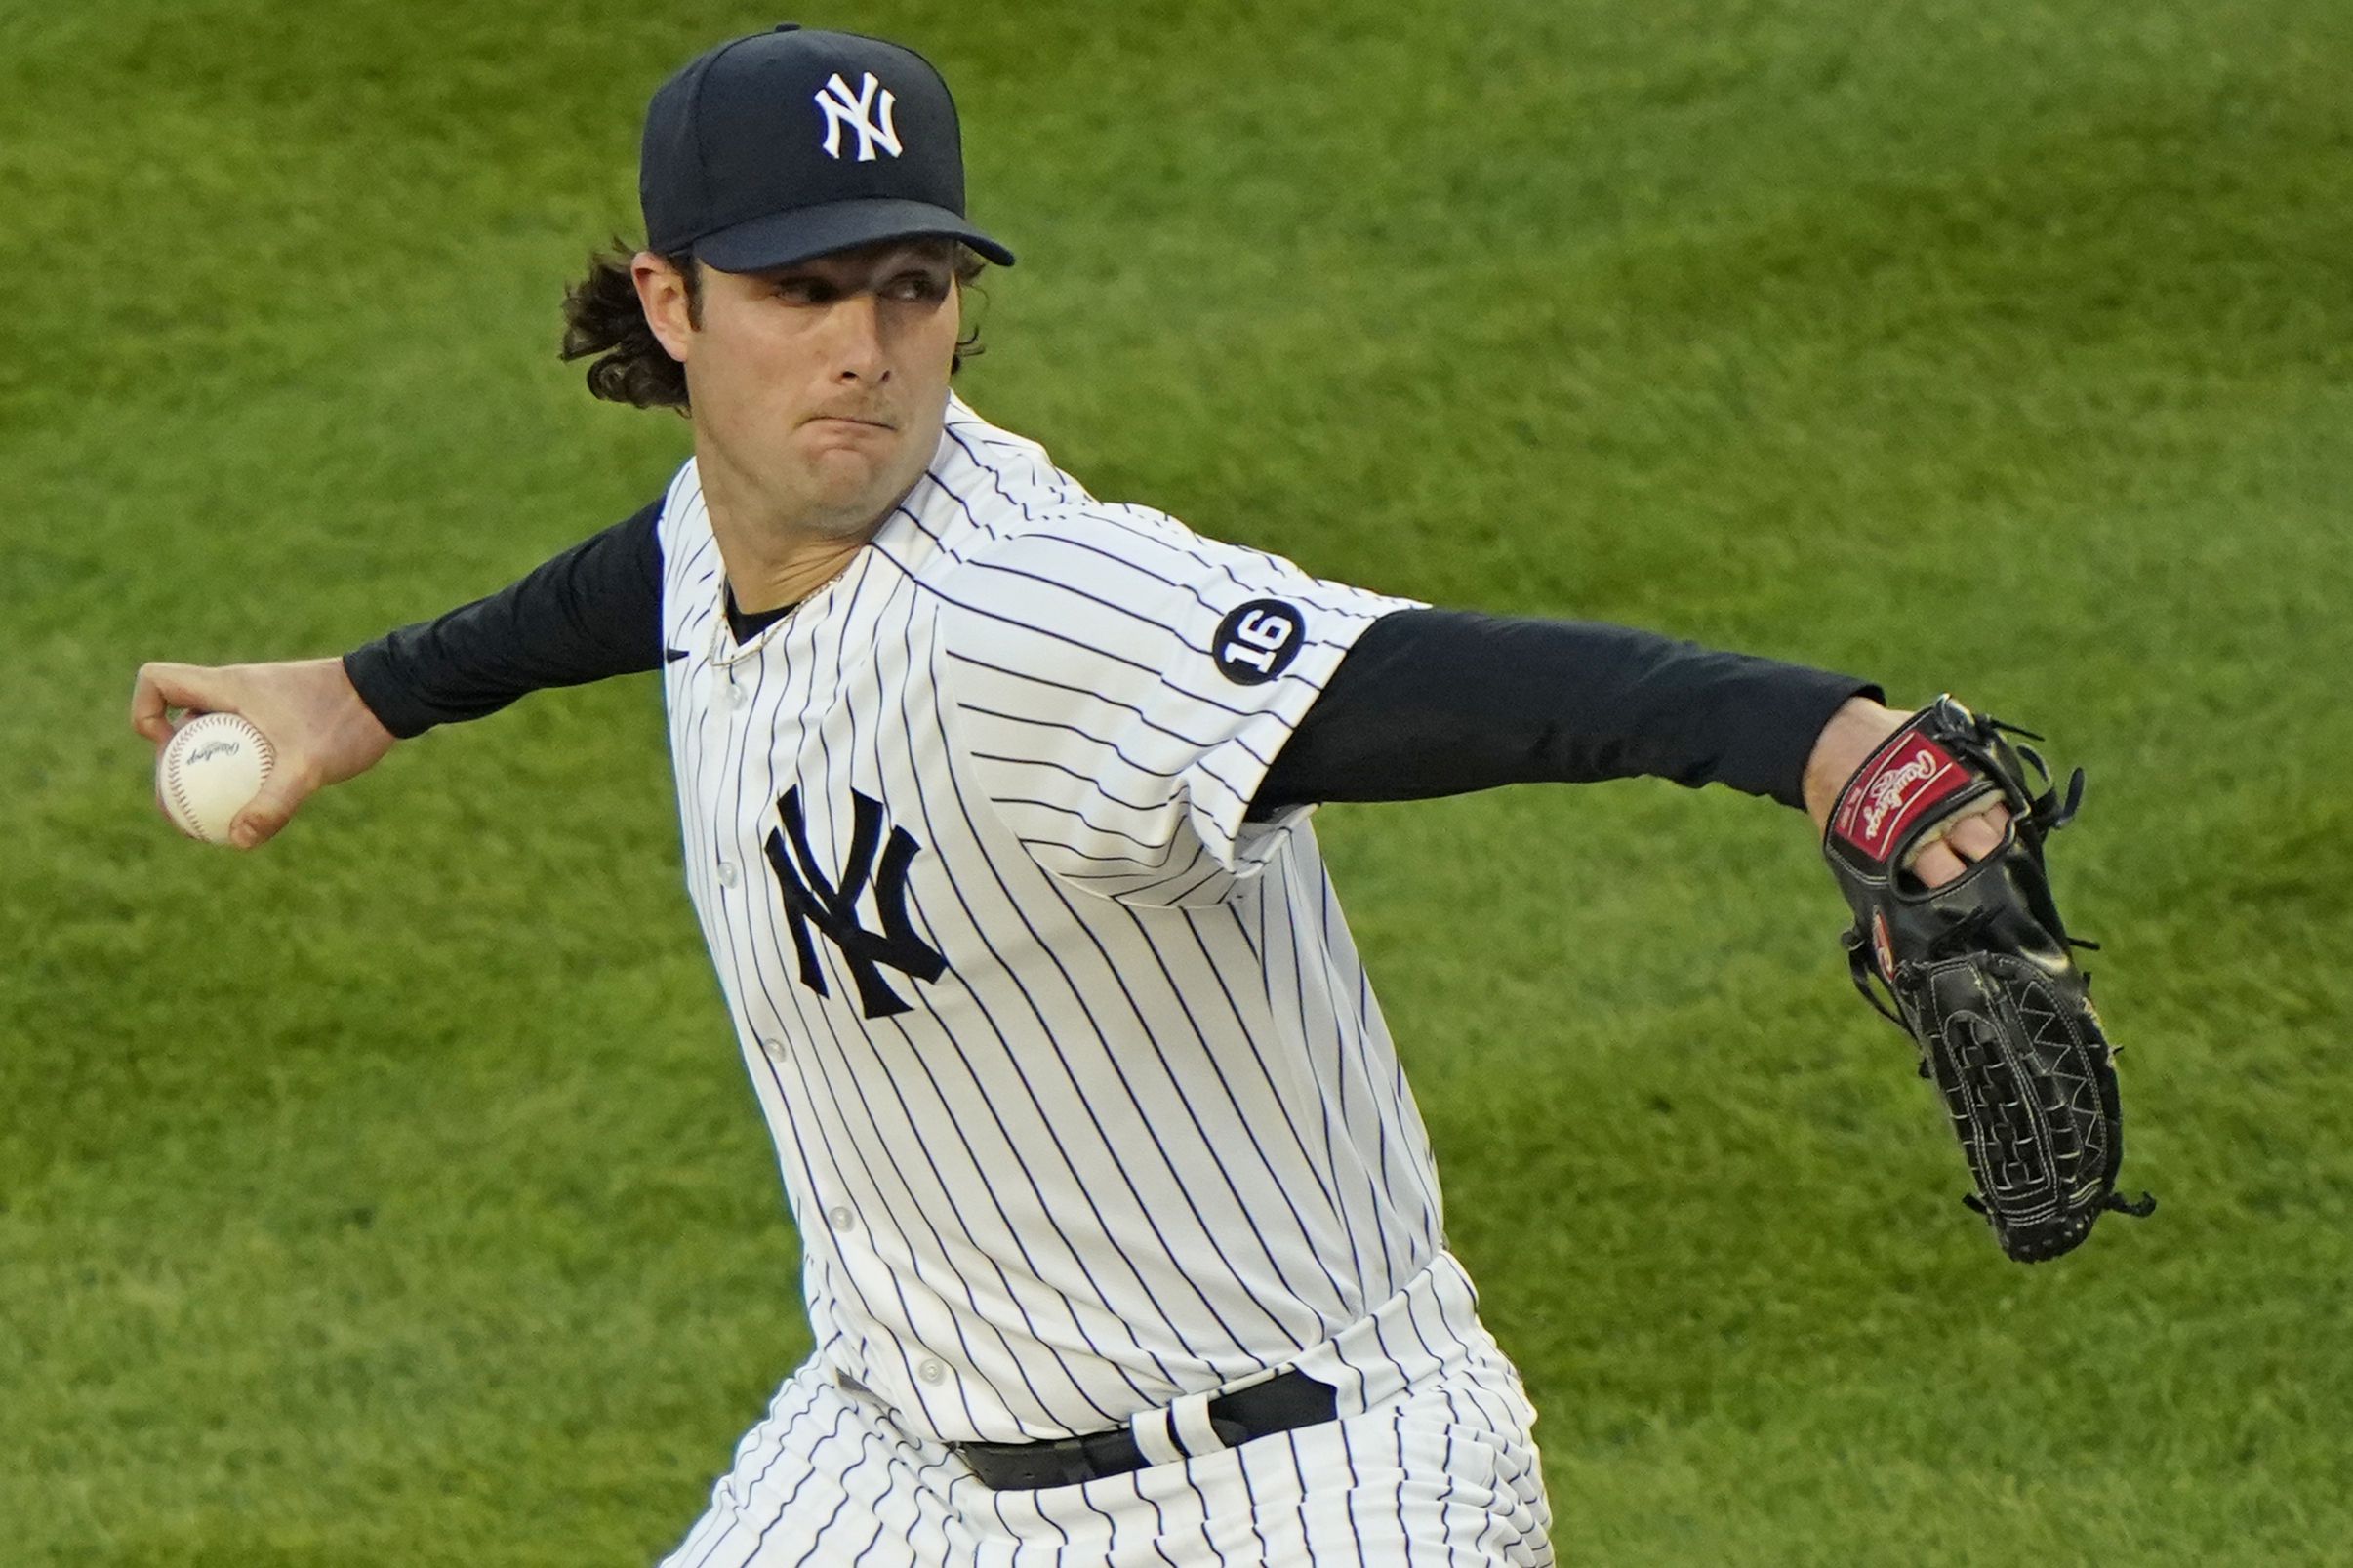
x: 850, y: 420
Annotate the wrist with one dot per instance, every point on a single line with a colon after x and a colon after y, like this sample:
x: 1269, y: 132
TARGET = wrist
x: 1854, y: 731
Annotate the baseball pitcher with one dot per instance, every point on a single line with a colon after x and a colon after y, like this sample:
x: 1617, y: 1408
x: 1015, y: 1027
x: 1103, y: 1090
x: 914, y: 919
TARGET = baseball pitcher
x: 1123, y: 1240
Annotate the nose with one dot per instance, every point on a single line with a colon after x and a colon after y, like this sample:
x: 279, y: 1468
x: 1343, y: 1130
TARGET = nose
x: 854, y: 328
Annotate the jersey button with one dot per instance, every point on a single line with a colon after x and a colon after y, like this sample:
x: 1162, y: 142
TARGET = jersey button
x: 772, y: 1048
x: 931, y: 1372
x: 729, y: 876
x: 840, y: 1218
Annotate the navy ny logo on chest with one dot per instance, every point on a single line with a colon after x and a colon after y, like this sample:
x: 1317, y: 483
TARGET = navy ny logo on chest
x: 817, y: 897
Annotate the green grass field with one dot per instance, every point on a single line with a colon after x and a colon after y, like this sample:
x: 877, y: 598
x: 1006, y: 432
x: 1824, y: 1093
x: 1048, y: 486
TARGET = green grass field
x: 392, y: 1196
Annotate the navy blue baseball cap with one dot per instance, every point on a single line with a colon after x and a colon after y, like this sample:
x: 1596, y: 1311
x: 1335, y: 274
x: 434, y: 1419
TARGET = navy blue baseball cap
x: 796, y: 142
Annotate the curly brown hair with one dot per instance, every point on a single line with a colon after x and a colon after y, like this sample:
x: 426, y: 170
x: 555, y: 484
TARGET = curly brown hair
x: 604, y: 322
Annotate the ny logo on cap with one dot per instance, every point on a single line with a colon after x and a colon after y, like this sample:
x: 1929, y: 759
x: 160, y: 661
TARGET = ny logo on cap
x: 858, y: 113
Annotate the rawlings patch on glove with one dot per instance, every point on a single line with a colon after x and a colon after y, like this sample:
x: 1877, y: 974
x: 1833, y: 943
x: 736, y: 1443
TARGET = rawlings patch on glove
x: 1981, y: 973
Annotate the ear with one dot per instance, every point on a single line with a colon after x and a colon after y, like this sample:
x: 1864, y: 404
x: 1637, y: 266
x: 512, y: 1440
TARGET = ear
x: 661, y: 296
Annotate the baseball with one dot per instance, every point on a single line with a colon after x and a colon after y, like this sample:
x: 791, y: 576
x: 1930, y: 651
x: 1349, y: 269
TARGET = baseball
x: 209, y: 770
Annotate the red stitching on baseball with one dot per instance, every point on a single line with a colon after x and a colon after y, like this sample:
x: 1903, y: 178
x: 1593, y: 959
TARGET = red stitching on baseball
x: 175, y: 773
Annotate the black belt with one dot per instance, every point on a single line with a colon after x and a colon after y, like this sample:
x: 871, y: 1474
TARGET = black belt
x: 1281, y: 1403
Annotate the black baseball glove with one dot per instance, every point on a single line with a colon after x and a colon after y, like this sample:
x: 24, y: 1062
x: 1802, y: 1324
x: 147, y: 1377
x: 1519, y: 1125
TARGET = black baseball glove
x: 1981, y: 973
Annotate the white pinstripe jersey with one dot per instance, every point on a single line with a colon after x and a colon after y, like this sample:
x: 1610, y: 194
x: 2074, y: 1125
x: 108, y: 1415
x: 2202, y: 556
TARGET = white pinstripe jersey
x: 1082, y: 1098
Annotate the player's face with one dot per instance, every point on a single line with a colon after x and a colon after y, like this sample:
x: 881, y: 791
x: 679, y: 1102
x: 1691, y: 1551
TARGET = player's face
x: 821, y: 387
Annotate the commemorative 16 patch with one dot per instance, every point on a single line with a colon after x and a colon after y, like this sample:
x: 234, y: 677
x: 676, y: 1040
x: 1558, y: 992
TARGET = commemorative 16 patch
x: 1257, y: 641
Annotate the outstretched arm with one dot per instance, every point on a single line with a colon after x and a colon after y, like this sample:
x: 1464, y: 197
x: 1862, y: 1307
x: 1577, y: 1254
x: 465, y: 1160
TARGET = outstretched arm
x: 1433, y: 703
x: 593, y: 612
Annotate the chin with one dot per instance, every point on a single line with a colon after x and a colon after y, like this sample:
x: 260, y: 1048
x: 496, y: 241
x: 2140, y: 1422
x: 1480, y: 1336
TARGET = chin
x: 841, y: 511
x: 850, y: 522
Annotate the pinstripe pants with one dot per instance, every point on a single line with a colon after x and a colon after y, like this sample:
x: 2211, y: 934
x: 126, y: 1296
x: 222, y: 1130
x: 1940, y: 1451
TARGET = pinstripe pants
x: 1429, y: 1464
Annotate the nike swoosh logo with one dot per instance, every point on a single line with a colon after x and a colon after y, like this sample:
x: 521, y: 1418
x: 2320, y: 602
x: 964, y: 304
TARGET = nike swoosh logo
x: 670, y: 656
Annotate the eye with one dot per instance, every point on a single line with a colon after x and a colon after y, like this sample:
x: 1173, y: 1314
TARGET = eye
x: 798, y: 290
x: 921, y: 288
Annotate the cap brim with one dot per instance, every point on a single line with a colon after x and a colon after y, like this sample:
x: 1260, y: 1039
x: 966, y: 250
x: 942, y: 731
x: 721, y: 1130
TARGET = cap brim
x: 783, y: 239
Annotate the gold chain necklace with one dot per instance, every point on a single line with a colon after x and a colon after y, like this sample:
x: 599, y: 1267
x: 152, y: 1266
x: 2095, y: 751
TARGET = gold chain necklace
x: 720, y: 659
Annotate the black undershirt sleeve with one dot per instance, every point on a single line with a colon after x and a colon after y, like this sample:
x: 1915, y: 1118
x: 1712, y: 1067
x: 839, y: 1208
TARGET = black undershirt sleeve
x: 1436, y: 703
x: 593, y: 612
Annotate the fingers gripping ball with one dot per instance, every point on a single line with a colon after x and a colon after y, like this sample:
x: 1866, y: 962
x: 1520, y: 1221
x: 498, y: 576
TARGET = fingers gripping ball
x: 209, y: 770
